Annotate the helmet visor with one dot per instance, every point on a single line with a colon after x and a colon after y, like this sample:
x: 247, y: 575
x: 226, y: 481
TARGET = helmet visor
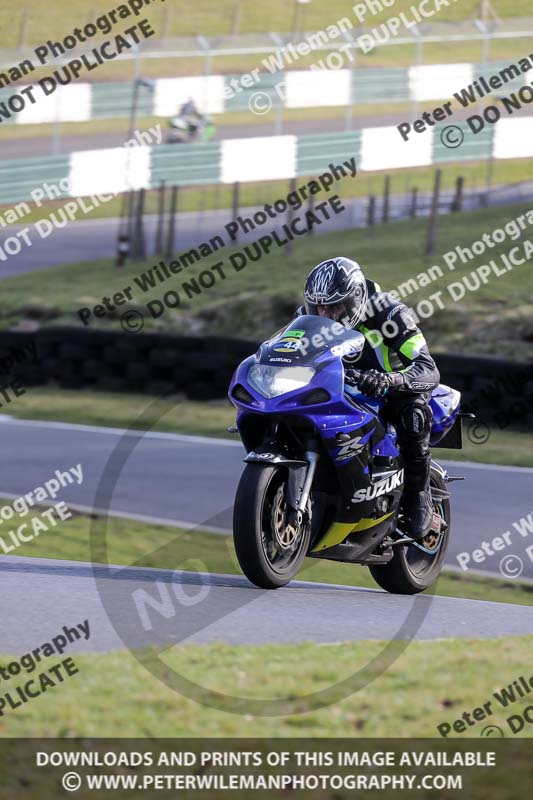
x: 336, y: 311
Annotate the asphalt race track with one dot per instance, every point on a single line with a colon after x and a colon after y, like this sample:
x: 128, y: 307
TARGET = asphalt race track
x: 191, y: 481
x: 40, y: 596
x: 186, y: 481
x: 47, y: 145
x: 43, y: 146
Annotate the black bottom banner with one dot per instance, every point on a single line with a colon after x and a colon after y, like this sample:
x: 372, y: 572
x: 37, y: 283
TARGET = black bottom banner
x: 325, y: 769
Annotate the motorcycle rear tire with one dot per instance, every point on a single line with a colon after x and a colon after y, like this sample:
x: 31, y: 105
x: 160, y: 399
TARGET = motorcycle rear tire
x: 398, y: 576
x: 247, y: 528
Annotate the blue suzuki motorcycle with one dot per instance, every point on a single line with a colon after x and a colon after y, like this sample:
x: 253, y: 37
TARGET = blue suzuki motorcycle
x: 323, y: 475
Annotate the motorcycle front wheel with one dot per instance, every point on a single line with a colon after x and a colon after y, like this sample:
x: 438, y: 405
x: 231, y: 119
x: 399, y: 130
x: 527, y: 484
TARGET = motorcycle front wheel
x: 269, y: 551
x: 415, y: 568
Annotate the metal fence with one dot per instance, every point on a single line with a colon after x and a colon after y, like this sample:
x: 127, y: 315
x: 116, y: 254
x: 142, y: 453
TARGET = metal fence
x: 210, y: 163
x: 21, y: 26
x: 370, y: 86
x: 474, y: 39
x: 158, y: 225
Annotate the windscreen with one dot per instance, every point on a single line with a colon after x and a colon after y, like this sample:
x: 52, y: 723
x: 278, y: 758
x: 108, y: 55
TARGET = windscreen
x: 308, y: 337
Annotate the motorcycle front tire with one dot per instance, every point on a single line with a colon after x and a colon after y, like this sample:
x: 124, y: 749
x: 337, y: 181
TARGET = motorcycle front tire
x: 257, y: 481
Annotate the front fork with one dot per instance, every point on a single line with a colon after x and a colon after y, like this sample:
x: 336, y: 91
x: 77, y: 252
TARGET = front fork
x: 299, y: 487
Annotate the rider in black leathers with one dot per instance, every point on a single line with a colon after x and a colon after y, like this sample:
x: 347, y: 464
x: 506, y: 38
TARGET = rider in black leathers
x: 396, y: 363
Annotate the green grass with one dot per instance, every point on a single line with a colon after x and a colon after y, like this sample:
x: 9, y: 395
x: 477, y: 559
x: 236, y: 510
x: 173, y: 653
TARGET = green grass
x: 261, y: 297
x: 382, y: 56
x: 184, y: 19
x: 430, y: 683
x: 85, y: 407
x: 33, y: 22
x: 213, y: 417
x: 113, y: 695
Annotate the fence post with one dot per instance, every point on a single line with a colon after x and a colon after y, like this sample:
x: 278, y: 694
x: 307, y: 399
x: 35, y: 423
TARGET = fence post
x: 165, y: 11
x: 236, y: 18
x: 290, y: 212
x: 235, y: 207
x: 140, y: 246
x: 130, y: 227
x: 371, y: 212
x: 160, y: 219
x: 414, y: 198
x: 134, y: 224
x: 23, y: 28
x: 386, y: 199
x: 310, y: 207
x: 172, y: 222
x: 457, y: 203
x: 432, y: 227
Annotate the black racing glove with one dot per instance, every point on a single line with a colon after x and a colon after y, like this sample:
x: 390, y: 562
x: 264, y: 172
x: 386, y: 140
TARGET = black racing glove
x: 351, y: 376
x: 376, y: 384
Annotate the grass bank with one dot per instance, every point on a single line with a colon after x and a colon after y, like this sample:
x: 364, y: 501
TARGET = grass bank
x: 430, y: 683
x: 259, y: 298
x: 35, y: 22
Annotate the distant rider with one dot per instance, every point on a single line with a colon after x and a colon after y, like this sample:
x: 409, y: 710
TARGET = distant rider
x: 189, y: 111
x: 396, y: 363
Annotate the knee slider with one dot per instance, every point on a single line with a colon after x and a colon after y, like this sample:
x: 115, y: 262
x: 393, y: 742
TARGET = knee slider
x: 415, y: 420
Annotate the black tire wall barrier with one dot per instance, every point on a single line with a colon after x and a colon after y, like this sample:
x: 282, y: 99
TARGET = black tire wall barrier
x: 500, y: 391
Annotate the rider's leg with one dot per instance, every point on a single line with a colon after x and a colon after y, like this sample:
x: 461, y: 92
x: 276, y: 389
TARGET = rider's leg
x: 411, y: 415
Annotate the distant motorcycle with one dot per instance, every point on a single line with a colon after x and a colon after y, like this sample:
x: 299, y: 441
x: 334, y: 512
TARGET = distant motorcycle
x: 324, y: 475
x: 186, y: 129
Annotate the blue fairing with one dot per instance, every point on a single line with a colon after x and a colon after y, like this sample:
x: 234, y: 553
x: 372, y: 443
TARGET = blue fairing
x: 322, y: 400
x: 338, y: 414
x: 445, y: 404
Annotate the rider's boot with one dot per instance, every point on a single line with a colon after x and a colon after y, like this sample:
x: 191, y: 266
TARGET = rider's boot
x: 417, y: 507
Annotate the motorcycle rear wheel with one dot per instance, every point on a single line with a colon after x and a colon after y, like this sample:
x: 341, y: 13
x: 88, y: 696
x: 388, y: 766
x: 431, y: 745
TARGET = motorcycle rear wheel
x: 411, y: 570
x: 269, y: 554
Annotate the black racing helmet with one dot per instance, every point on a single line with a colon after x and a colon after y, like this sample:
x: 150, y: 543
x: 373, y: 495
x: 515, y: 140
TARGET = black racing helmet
x: 337, y: 280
